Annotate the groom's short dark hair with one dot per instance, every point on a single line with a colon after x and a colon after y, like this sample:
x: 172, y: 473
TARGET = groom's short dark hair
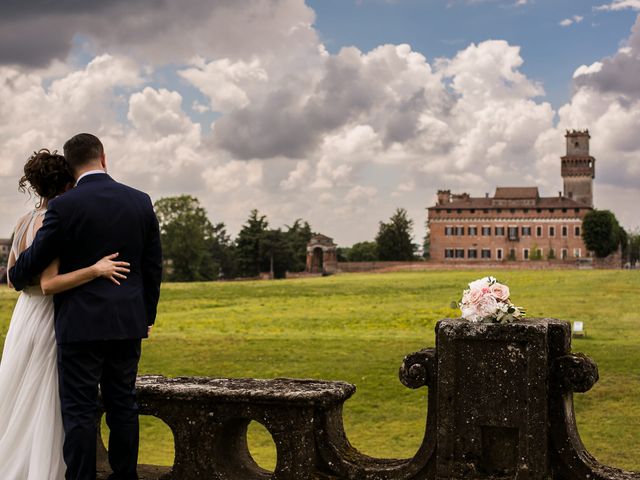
x: 82, y: 149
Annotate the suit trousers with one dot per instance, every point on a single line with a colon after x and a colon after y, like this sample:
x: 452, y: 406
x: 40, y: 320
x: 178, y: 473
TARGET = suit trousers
x: 82, y: 367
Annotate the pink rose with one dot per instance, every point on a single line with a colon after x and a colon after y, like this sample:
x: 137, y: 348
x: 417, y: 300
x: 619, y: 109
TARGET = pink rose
x: 473, y: 296
x: 500, y: 292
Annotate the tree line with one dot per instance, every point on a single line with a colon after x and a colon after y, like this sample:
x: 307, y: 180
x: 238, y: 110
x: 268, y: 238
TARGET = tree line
x: 603, y: 235
x: 196, y: 249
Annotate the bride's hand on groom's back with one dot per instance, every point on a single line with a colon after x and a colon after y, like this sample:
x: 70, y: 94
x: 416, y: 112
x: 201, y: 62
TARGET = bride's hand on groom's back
x: 108, y: 267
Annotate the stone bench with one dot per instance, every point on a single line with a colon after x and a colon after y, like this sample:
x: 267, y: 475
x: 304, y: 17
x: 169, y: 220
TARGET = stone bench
x: 500, y: 407
x: 209, y: 419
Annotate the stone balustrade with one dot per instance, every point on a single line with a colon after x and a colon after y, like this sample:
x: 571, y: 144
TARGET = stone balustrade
x: 500, y: 406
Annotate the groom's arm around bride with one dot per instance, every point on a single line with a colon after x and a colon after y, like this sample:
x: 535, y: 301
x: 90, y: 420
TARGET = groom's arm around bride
x: 98, y: 325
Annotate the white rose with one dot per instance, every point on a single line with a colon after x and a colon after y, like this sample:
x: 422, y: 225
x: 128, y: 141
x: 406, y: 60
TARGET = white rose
x: 487, y: 307
x: 480, y: 284
x: 470, y: 313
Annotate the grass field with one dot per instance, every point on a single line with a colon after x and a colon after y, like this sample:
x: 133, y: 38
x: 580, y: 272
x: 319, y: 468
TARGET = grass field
x: 358, y: 327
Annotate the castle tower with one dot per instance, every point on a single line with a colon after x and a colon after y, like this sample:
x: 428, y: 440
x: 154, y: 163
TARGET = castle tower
x: 578, y: 167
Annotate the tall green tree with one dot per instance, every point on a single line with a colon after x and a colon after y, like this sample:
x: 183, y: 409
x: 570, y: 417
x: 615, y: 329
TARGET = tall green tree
x: 276, y: 253
x: 634, y: 246
x: 248, y: 244
x: 426, y: 245
x: 298, y: 236
x: 224, y: 252
x: 343, y: 254
x: 394, y: 238
x: 601, y: 232
x: 186, y: 234
x: 363, y: 252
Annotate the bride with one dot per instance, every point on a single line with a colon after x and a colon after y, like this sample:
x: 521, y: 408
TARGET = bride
x: 31, y: 433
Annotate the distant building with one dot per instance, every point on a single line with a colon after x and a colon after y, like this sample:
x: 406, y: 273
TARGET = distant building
x: 517, y: 223
x: 5, y: 247
x: 322, y: 255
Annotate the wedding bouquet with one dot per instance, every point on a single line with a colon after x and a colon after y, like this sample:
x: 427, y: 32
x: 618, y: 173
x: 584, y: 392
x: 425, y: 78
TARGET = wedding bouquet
x: 487, y: 300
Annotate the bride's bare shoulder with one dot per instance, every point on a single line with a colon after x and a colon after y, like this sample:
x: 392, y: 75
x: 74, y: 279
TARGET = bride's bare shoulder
x: 23, y: 219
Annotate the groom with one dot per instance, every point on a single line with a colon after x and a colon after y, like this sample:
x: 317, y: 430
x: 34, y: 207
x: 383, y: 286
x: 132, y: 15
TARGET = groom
x: 99, y: 326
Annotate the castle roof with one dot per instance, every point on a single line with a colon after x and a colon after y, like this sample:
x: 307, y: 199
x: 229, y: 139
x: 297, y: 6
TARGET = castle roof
x: 517, y: 192
x: 510, y: 197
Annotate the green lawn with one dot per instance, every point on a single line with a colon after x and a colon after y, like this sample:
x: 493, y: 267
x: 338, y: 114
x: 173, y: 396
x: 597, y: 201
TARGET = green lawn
x: 358, y: 327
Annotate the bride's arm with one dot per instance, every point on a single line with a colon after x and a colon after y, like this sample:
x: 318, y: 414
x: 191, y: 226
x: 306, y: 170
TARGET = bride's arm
x: 10, y: 263
x: 52, y: 282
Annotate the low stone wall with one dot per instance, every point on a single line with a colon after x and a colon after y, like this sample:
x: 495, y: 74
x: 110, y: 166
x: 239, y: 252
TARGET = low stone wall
x: 500, y: 406
x: 353, y: 267
x: 361, y: 267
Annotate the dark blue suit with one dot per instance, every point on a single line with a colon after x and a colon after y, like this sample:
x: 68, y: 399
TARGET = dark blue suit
x: 99, y: 325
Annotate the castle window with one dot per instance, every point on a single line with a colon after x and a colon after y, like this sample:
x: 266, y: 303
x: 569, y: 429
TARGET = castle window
x: 525, y: 210
x: 576, y: 231
x: 512, y: 254
x: 526, y: 231
x: 499, y: 210
x: 513, y: 233
x: 564, y: 253
x: 448, y: 253
x: 551, y: 210
x: 459, y: 253
x: 499, y: 231
x: 486, y: 253
x: 565, y: 231
x: 552, y: 231
x: 460, y: 231
x: 499, y: 253
x: 576, y: 210
x: 564, y: 210
x: 448, y: 231
x: 576, y: 252
x: 512, y: 210
x: 473, y: 231
x: 459, y: 210
x: 472, y: 253
x: 525, y: 253
x: 486, y: 210
x: 473, y: 210
x: 539, y: 231
x: 486, y: 231
x: 448, y: 210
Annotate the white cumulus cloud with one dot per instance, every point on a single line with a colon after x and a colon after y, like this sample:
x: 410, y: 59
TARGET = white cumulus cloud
x: 572, y: 20
x: 620, y: 5
x: 338, y: 139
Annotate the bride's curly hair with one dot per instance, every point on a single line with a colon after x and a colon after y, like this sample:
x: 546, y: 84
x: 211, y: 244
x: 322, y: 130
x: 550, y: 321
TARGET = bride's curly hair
x: 46, y: 173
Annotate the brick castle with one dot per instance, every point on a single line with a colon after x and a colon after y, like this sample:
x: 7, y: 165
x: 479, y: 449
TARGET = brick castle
x: 517, y: 223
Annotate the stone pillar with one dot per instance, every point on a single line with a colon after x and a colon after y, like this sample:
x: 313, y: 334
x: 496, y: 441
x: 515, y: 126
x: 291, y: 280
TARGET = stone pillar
x: 492, y: 400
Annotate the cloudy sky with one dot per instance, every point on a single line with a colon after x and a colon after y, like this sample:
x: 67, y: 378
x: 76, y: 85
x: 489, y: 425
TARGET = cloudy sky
x: 336, y: 111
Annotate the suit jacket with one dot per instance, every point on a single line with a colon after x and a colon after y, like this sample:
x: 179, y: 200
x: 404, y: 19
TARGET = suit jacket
x: 96, y: 218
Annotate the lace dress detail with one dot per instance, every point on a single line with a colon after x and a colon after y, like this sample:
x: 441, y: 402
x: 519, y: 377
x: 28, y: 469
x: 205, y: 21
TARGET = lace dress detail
x: 31, y: 433
x: 23, y: 237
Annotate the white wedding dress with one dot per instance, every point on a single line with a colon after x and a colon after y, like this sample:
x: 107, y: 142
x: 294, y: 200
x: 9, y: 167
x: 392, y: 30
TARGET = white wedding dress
x: 31, y: 433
